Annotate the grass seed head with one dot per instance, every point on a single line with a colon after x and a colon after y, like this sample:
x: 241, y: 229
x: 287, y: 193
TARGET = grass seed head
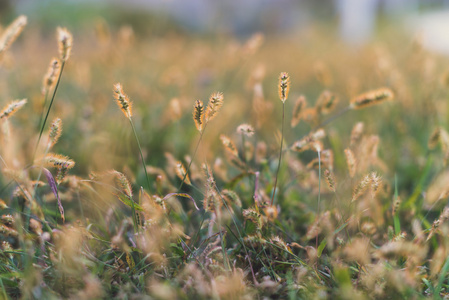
x: 55, y: 131
x: 51, y: 75
x: 12, y: 108
x: 65, y: 43
x: 123, y: 183
x: 356, y: 133
x: 298, y: 110
x: 351, y: 162
x: 361, y: 187
x: 59, y: 161
x: 11, y: 33
x: 181, y: 172
x: 246, y: 129
x: 330, y: 180
x: 123, y: 100
x: 229, y: 145
x: 326, y: 102
x: 198, y: 115
x: 284, y: 86
x: 215, y: 103
x: 376, y: 183
x: 371, y: 98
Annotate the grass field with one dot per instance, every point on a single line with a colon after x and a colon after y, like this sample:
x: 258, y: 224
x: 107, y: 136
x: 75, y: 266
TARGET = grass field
x: 168, y: 165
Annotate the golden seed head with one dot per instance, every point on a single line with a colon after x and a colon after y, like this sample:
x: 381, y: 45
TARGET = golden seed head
x: 65, y: 43
x: 330, y: 180
x: 51, y: 75
x: 271, y: 213
x: 182, y: 173
x: 284, y: 86
x: 376, y: 182
x: 361, y: 187
x: 229, y: 145
x: 12, y: 108
x: 123, y: 183
x: 326, y: 102
x: 351, y: 162
x: 11, y: 33
x: 198, y: 115
x: 356, y: 133
x: 55, y: 131
x: 252, y: 215
x: 246, y: 129
x: 371, y: 98
x: 215, y: 103
x: 298, y: 110
x: 59, y: 161
x: 122, y: 100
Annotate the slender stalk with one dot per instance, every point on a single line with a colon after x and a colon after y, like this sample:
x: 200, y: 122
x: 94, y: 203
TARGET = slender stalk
x: 319, y: 190
x: 280, y: 153
x: 193, y: 157
x: 140, y: 151
x: 330, y: 119
x: 48, y: 110
x: 41, y: 118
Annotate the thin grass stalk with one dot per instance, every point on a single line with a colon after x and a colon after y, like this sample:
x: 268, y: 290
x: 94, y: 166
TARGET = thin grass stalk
x: 48, y: 110
x: 280, y: 153
x: 140, y: 151
x: 319, y: 190
x: 330, y: 119
x: 193, y: 157
x: 43, y: 109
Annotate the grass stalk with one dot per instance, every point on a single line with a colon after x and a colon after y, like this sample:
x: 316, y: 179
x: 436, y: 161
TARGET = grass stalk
x: 193, y: 157
x: 280, y: 153
x: 140, y: 151
x: 48, y: 110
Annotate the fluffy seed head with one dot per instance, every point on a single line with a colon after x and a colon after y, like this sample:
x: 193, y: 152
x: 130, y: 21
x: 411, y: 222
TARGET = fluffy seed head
x: 123, y: 183
x: 361, y: 187
x: 284, y: 86
x: 229, y: 145
x: 298, y: 110
x: 330, y: 180
x: 198, y: 115
x: 376, y: 182
x: 246, y: 129
x: 181, y: 172
x: 65, y: 43
x: 215, y: 103
x: 51, y: 75
x: 59, y: 161
x: 371, y: 98
x: 55, y: 131
x: 326, y: 102
x: 351, y: 162
x: 356, y: 133
x: 123, y: 100
x: 11, y: 33
x: 12, y: 108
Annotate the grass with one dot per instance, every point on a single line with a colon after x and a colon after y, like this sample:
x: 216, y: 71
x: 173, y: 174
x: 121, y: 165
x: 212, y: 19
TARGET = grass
x: 352, y: 203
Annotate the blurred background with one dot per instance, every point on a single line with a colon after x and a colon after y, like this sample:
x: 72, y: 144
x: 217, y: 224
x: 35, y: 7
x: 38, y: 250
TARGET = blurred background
x: 355, y: 21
